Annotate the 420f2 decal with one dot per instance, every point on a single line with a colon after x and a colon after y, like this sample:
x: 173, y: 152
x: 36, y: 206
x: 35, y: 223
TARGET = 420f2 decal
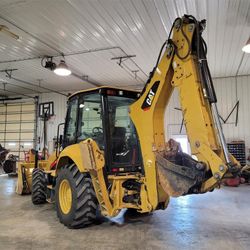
x: 150, y: 96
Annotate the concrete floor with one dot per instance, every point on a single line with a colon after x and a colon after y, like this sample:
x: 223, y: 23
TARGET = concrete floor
x: 218, y: 220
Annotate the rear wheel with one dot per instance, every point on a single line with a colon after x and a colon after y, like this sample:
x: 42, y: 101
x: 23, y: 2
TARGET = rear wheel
x: 76, y: 202
x: 38, y: 192
x: 9, y: 166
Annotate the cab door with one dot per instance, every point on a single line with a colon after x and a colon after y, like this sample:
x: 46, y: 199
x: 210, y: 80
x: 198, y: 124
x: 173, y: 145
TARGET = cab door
x: 70, y: 130
x: 90, y: 118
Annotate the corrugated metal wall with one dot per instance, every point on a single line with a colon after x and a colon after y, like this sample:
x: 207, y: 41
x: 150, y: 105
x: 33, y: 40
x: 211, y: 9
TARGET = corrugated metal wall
x: 227, y: 95
x: 228, y: 91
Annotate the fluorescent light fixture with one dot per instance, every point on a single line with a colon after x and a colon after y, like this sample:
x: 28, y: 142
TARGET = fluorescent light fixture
x: 87, y: 109
x: 246, y: 48
x: 81, y: 105
x: 27, y: 144
x: 62, y: 69
x: 12, y: 144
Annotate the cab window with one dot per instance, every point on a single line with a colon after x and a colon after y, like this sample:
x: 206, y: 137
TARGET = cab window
x: 124, y: 141
x: 71, y: 122
x: 90, y: 119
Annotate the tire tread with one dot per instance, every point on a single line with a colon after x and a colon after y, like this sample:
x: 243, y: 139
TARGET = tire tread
x: 85, y: 202
x: 38, y: 193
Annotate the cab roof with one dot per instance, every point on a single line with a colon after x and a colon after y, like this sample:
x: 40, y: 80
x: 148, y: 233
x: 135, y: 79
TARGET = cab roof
x: 103, y: 87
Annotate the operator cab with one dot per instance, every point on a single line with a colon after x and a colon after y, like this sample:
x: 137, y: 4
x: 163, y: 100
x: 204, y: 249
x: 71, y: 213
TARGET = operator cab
x: 102, y: 114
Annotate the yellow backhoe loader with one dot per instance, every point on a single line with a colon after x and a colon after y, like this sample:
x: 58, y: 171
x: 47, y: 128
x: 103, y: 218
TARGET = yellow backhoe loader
x: 113, y: 152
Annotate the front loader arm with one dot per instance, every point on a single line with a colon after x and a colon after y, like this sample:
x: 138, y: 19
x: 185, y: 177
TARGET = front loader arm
x: 183, y: 67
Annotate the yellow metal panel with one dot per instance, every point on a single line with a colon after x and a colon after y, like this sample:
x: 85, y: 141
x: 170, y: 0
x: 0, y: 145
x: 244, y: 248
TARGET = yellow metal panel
x: 75, y: 153
x: 150, y: 124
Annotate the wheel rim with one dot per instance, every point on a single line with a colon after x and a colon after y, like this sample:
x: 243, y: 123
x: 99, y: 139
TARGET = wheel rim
x: 65, y: 196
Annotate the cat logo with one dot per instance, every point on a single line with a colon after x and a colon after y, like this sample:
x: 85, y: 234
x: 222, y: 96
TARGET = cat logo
x: 150, y: 97
x: 148, y: 101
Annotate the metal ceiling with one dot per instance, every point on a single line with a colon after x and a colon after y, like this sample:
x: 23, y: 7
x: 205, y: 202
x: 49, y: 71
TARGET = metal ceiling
x: 85, y: 28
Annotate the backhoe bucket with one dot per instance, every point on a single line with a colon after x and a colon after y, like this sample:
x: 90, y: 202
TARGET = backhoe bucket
x: 179, y: 179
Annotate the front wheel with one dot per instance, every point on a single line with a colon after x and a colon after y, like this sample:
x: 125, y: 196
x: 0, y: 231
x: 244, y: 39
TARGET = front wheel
x: 76, y: 202
x: 38, y: 192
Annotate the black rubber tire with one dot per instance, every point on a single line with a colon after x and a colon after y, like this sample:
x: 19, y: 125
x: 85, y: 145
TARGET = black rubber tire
x: 84, y: 203
x: 39, y: 186
x: 9, y: 166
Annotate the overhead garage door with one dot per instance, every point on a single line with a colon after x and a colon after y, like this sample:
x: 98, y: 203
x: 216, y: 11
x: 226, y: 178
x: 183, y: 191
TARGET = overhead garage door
x: 17, y: 126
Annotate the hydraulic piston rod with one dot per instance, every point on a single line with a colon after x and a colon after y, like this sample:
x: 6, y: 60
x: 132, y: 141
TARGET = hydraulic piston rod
x: 220, y: 132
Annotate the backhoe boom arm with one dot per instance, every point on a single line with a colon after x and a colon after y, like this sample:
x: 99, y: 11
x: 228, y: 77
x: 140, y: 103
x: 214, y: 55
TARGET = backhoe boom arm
x: 183, y: 66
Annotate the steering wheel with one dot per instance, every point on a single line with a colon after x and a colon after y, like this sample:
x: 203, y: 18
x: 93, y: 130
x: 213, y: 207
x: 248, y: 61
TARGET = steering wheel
x: 97, y: 130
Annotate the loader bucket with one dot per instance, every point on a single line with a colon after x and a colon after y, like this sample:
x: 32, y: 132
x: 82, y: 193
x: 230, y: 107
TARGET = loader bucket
x: 24, y: 180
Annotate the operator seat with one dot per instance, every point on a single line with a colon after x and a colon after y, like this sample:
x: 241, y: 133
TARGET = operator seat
x: 118, y: 142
